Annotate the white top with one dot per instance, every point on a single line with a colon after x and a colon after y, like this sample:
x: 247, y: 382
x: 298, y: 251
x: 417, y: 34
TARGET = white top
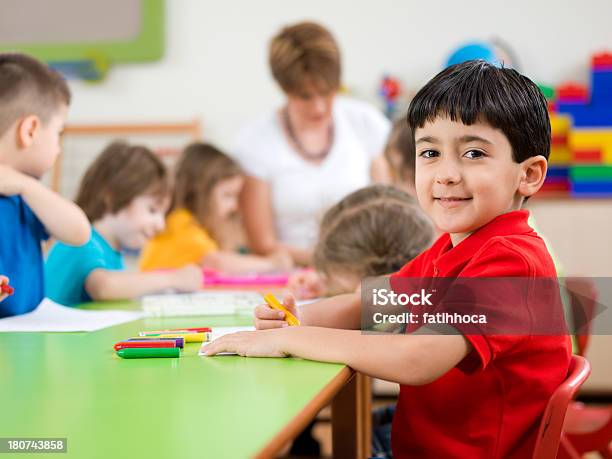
x: 303, y: 191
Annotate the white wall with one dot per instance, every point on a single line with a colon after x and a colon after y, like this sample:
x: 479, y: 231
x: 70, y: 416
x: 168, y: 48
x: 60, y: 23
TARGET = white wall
x: 215, y: 66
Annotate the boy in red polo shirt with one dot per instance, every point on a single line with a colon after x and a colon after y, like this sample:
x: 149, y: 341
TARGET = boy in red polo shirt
x: 482, y: 137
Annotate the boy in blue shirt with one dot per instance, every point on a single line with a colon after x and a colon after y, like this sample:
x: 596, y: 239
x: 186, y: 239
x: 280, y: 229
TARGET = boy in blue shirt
x: 33, y: 108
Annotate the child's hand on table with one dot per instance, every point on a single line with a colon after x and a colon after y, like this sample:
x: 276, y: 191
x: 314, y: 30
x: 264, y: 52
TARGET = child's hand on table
x: 266, y: 317
x: 260, y: 343
x: 266, y: 341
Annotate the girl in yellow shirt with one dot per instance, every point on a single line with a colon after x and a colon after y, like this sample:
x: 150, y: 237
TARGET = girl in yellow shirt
x: 206, y: 193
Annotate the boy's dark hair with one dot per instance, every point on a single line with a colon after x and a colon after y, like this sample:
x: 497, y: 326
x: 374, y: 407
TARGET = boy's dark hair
x: 27, y: 86
x: 119, y: 174
x: 476, y: 91
x: 373, y: 231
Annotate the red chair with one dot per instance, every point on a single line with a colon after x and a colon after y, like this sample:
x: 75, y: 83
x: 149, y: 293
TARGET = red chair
x: 551, y: 427
x: 587, y: 428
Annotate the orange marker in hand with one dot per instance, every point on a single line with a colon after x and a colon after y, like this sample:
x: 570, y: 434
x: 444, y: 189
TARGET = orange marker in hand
x: 275, y: 304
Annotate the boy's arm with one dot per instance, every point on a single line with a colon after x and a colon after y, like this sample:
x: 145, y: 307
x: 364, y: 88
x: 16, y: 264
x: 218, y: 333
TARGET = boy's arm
x: 411, y: 359
x: 63, y: 219
x: 103, y: 284
x: 342, y: 311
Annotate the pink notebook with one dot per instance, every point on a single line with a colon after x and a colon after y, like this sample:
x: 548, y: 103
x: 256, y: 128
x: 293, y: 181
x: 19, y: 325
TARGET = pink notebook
x: 212, y: 277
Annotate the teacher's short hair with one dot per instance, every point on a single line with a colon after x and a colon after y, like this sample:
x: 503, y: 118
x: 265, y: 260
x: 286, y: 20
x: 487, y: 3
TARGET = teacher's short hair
x: 305, y: 54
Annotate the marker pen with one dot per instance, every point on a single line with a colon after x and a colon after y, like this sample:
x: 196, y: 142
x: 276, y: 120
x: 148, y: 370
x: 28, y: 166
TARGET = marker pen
x: 176, y: 330
x: 180, y: 342
x: 141, y: 344
x: 149, y: 352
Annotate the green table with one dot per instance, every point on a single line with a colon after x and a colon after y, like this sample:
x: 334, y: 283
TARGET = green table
x: 72, y: 385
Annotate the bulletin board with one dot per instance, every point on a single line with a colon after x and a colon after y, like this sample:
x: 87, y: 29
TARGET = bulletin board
x: 82, y: 33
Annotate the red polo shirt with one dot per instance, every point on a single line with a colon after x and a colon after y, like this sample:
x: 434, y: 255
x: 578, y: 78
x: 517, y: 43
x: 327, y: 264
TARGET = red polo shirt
x: 490, y: 405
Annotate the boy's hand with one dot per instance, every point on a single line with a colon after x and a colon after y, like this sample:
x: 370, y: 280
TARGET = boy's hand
x: 3, y: 281
x: 265, y: 343
x: 266, y: 317
x: 188, y: 278
x: 12, y: 182
x: 306, y: 284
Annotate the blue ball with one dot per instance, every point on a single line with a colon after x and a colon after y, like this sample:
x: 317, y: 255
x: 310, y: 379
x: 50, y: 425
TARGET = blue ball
x: 475, y: 50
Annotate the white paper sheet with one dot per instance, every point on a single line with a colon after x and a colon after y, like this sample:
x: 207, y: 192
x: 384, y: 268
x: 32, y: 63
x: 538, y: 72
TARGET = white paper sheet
x: 218, y: 332
x: 52, y: 317
x: 208, y: 303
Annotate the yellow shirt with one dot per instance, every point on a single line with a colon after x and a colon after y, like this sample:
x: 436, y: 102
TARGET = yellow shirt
x: 184, y: 241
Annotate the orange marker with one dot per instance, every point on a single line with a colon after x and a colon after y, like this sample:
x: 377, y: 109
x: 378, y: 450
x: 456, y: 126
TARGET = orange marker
x: 275, y: 304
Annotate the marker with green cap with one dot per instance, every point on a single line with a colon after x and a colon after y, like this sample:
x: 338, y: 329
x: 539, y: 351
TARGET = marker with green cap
x: 146, y: 352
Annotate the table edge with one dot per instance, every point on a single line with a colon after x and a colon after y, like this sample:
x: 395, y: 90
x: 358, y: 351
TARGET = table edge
x: 301, y: 420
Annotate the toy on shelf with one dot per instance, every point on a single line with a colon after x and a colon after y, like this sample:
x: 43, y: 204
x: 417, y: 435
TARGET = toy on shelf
x: 592, y: 180
x: 581, y: 126
x: 494, y: 50
x: 390, y: 90
x: 595, y: 112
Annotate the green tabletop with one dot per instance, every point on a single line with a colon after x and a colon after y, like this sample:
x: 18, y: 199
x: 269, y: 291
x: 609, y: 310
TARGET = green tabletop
x: 72, y: 385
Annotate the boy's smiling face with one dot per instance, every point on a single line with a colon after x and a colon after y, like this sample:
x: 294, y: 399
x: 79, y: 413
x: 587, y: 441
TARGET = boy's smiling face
x: 465, y: 175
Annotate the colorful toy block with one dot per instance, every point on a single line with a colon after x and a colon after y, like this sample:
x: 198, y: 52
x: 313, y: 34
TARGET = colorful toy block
x: 560, y: 124
x: 592, y: 189
x: 602, y: 61
x: 582, y: 140
x: 572, y: 93
x: 595, y: 180
x: 558, y: 172
x: 592, y: 156
x: 587, y: 115
x: 581, y: 126
x: 560, y: 155
x: 591, y: 173
x: 601, y: 82
x: 560, y: 127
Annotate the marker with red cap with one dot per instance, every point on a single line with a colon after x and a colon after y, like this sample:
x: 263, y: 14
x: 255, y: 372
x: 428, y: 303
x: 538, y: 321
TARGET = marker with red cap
x: 176, y: 330
x: 5, y: 288
x: 141, y: 344
x: 180, y: 342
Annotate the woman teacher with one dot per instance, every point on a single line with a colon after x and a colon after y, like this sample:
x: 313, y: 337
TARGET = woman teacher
x: 303, y: 157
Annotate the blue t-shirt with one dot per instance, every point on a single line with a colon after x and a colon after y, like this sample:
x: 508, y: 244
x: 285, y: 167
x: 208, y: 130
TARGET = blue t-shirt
x: 21, y: 233
x: 67, y: 268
